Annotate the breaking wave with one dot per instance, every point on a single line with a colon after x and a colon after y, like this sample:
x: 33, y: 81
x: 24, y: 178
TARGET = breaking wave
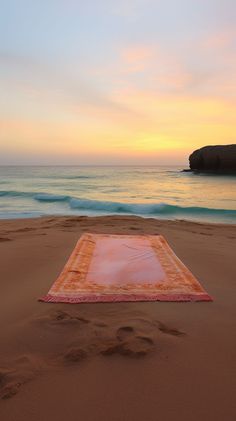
x: 164, y: 210
x: 155, y: 209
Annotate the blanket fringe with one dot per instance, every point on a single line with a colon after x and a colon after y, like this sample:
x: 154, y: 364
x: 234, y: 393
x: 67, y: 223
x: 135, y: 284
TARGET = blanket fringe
x: 107, y: 298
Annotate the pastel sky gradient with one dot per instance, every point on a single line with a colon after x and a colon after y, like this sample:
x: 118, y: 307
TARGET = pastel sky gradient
x: 115, y: 82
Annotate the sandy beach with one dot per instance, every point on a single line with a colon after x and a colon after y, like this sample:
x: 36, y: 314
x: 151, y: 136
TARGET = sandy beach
x: 56, y: 360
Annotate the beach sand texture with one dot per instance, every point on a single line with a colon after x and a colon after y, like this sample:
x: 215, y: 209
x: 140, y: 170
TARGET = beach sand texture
x: 115, y: 361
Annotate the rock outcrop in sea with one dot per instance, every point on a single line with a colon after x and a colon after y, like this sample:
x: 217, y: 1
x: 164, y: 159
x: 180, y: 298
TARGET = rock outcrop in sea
x: 219, y: 158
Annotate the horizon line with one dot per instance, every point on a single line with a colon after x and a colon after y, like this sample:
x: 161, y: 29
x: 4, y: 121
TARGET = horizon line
x: 91, y: 165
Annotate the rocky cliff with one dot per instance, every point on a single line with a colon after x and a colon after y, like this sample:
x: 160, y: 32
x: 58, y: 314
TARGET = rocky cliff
x: 220, y: 158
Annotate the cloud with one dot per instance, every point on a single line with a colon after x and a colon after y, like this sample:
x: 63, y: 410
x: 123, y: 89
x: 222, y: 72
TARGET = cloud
x: 220, y: 40
x: 136, y: 58
x: 53, y: 83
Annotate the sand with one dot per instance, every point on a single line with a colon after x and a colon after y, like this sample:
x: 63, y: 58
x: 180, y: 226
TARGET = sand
x: 115, y: 362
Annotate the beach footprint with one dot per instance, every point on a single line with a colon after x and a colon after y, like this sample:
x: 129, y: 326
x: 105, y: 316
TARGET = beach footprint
x: 169, y: 330
x: 128, y: 342
x: 125, y: 332
x: 133, y: 348
x: 61, y: 318
x: 75, y: 355
x: 24, y: 369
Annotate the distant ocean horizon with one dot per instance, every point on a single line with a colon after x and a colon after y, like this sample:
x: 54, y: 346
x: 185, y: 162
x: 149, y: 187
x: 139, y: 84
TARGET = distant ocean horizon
x: 163, y: 192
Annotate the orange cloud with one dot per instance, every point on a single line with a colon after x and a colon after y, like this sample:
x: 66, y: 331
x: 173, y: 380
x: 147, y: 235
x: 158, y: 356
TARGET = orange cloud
x: 136, y: 58
x: 220, y: 39
x: 150, y: 122
x: 137, y: 53
x: 166, y: 124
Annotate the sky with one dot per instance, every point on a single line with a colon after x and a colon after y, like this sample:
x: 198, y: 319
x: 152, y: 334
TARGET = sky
x: 115, y: 82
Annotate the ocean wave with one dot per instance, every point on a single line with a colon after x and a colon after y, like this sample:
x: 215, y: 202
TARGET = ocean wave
x: 117, y: 207
x: 71, y: 177
x: 14, y: 193
x: 152, y: 209
x: 46, y: 197
x: 164, y: 210
x: 41, y: 197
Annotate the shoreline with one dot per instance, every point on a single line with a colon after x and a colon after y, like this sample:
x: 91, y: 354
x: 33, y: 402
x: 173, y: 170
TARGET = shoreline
x: 176, y: 360
x: 145, y: 218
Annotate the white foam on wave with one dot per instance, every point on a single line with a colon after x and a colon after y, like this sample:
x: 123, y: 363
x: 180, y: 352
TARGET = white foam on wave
x: 96, y: 207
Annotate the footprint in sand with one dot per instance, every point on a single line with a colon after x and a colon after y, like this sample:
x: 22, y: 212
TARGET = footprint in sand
x: 11, y: 379
x: 5, y: 379
x: 169, y: 330
x: 75, y: 355
x: 10, y: 390
x: 63, y: 318
x: 124, y: 340
x: 62, y: 315
x: 134, y: 347
x: 128, y: 343
x: 82, y: 337
x: 146, y: 339
x: 124, y: 332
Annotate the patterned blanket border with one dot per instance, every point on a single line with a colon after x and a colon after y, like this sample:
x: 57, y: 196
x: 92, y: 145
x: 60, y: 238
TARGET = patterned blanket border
x: 107, y: 298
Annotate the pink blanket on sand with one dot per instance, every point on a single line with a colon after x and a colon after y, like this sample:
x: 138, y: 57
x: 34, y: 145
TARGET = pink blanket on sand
x: 105, y: 268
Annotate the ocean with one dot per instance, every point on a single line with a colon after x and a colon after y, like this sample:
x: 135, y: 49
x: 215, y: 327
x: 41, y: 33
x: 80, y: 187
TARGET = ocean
x: 159, y: 192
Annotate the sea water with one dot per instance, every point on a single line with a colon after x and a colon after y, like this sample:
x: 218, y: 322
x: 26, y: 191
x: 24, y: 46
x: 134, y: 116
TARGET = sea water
x: 159, y: 192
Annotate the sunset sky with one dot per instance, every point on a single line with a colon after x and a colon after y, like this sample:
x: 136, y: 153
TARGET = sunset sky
x: 115, y: 82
